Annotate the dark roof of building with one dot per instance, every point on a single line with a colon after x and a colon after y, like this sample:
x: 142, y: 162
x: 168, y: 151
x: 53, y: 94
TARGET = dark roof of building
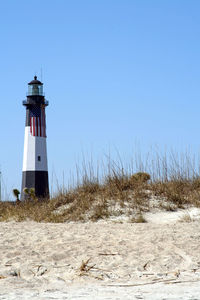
x: 35, y: 81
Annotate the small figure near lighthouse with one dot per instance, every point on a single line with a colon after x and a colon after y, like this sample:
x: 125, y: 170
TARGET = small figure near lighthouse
x: 35, y: 170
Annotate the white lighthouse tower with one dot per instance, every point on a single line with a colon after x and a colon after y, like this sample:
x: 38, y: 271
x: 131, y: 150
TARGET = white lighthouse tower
x: 35, y: 170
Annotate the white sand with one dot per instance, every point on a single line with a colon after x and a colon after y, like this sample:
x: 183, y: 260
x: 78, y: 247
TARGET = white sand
x: 126, y: 261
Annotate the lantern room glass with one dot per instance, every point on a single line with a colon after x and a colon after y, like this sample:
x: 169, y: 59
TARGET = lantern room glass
x: 35, y: 89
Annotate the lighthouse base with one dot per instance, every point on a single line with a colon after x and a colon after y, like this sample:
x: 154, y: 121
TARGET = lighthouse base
x: 37, y: 180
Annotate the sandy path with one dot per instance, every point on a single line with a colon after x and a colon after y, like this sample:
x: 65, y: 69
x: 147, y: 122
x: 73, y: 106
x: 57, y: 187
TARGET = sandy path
x: 42, y: 261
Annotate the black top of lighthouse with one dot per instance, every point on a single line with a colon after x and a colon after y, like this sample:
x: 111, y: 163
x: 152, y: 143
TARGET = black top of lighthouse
x: 35, y: 81
x: 35, y: 95
x: 35, y: 88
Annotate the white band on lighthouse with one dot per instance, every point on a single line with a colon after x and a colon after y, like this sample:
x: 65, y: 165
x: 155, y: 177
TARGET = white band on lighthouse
x: 35, y: 152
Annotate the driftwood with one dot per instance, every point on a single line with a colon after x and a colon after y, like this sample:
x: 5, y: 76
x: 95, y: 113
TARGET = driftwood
x: 167, y: 281
x: 108, y: 254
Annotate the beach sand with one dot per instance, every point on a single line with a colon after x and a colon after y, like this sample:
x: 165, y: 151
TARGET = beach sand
x: 102, y: 260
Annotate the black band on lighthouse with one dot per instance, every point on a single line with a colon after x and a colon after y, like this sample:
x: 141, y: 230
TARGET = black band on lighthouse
x: 37, y: 180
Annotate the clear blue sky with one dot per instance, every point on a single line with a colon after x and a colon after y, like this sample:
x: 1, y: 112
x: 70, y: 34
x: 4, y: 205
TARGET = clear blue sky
x: 114, y: 72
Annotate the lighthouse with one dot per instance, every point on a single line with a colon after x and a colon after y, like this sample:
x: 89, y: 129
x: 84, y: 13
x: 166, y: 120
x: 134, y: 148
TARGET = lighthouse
x: 35, y: 169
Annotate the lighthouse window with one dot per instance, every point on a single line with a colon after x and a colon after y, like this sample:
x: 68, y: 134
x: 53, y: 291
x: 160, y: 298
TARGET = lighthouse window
x: 39, y: 158
x: 35, y: 89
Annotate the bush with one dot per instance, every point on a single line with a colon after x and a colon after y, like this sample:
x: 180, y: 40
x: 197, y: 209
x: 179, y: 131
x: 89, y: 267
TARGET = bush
x: 140, y: 177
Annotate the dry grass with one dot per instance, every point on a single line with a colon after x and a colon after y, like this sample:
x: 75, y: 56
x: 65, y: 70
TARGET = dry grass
x: 138, y: 219
x: 169, y: 183
x: 186, y: 218
x: 178, y: 193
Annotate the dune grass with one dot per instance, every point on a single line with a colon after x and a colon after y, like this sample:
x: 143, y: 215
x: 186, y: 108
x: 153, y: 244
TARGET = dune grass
x: 169, y: 182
